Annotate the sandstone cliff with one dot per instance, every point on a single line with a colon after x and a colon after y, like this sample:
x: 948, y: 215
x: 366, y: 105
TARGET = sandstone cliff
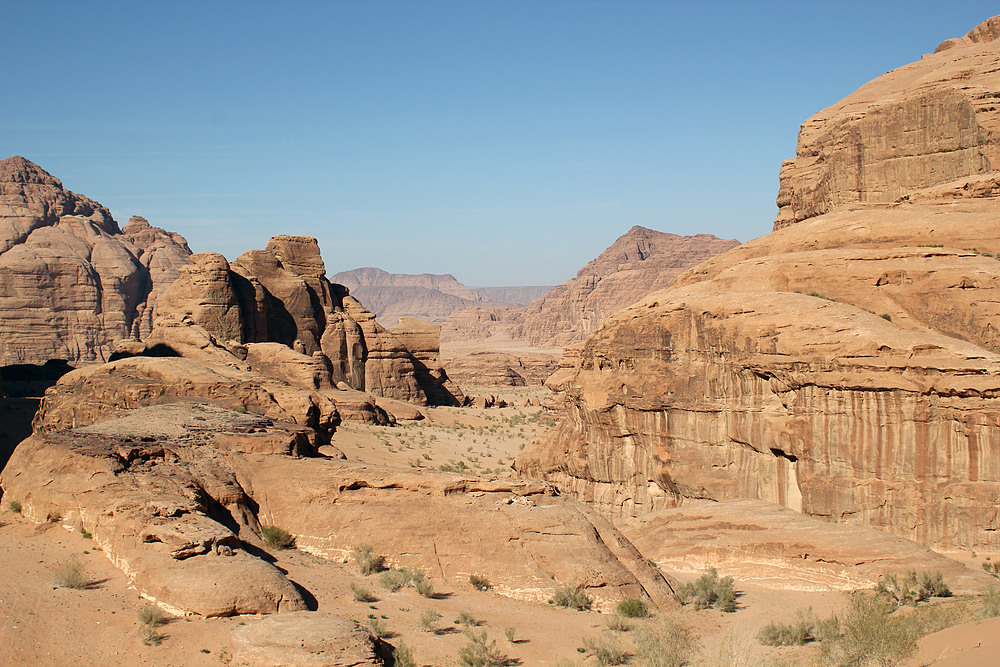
x: 281, y: 295
x: 640, y: 262
x: 846, y: 366
x: 72, y: 283
x: 920, y: 125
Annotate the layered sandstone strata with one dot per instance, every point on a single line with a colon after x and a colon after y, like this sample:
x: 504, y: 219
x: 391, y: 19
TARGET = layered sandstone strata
x: 845, y: 366
x: 72, y: 284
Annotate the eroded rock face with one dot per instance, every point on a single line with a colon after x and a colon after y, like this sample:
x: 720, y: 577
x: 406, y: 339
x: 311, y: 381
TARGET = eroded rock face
x: 640, y: 262
x: 845, y: 366
x: 920, y: 125
x: 280, y: 295
x: 72, y: 283
x: 492, y: 369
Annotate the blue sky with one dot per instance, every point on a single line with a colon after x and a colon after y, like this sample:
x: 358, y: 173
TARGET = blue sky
x: 507, y: 143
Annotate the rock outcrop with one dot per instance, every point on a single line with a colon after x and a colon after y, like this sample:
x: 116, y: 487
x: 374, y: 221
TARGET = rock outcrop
x: 920, y: 125
x: 305, y: 639
x: 280, y: 295
x: 846, y: 366
x: 495, y: 369
x: 72, y: 284
x: 638, y: 263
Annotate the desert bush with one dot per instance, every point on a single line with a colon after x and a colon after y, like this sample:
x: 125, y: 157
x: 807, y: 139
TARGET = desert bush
x: 991, y: 567
x: 361, y: 594
x: 710, y: 591
x: 429, y: 620
x: 618, y: 623
x: 605, y: 650
x: 150, y: 636
x: 872, y: 634
x: 510, y: 633
x: 632, y: 608
x: 151, y: 615
x: 571, y: 596
x: 664, y: 642
x: 477, y: 653
x: 466, y: 618
x: 479, y: 582
x: 277, y: 538
x: 367, y: 560
x: 990, y: 602
x: 378, y: 628
x: 400, y: 577
x: 14, y: 506
x: 402, y: 657
x: 913, y: 588
x: 424, y: 587
x: 71, y: 575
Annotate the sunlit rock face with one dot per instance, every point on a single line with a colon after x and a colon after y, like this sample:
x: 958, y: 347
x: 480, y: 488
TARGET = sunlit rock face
x: 845, y: 366
x: 72, y: 284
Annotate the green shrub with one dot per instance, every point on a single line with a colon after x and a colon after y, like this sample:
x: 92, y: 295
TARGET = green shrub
x: 632, y: 608
x: 14, y: 506
x: 605, y: 650
x: 71, y: 575
x: 913, y: 588
x: 429, y: 620
x: 990, y: 602
x: 618, y: 623
x: 479, y: 582
x: 277, y: 538
x: 424, y: 587
x: 86, y: 534
x: 571, y: 596
x: 664, y: 642
x: 402, y: 657
x: 400, y: 577
x: 378, y: 628
x: 477, y: 653
x: 778, y: 634
x: 709, y: 591
x: 367, y: 560
x: 872, y: 634
x: 361, y: 594
x: 466, y: 618
x: 991, y: 567
x: 886, y: 316
x: 151, y: 615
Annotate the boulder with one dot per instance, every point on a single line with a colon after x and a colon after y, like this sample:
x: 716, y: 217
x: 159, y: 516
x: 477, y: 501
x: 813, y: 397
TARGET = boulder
x: 305, y: 639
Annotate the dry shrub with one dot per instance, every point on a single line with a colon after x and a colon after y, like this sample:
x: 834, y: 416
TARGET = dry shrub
x: 479, y: 582
x: 71, y: 575
x: 361, y: 594
x: 571, y: 596
x: 710, y: 591
x: 277, y: 538
x: 367, y: 560
x: 665, y: 642
x: 605, y: 650
x: 477, y: 653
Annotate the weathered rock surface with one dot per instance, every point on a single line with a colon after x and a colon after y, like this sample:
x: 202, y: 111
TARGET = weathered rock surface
x: 72, y: 283
x: 640, y: 262
x: 521, y: 295
x: 515, y: 532
x: 776, y: 547
x: 280, y: 295
x: 767, y: 372
x: 304, y: 639
x: 162, y: 503
x: 920, y: 125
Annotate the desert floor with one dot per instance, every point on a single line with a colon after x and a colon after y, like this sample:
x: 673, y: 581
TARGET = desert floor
x: 42, y: 624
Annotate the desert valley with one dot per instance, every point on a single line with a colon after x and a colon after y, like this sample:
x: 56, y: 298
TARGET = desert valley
x: 693, y: 452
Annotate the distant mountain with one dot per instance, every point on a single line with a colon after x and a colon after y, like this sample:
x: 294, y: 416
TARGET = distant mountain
x: 519, y: 295
x: 640, y: 262
x: 425, y: 296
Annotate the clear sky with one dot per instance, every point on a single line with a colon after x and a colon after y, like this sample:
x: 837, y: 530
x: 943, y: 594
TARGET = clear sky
x: 507, y: 143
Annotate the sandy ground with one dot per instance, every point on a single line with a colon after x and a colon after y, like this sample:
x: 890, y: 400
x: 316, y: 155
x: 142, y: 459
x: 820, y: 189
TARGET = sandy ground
x: 42, y: 624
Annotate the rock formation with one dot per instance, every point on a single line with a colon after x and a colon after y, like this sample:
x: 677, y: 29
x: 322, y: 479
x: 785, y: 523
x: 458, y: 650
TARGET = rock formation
x: 280, y: 295
x: 920, y: 125
x: 305, y: 639
x: 638, y: 263
x: 72, y: 283
x: 494, y: 369
x: 846, y: 366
